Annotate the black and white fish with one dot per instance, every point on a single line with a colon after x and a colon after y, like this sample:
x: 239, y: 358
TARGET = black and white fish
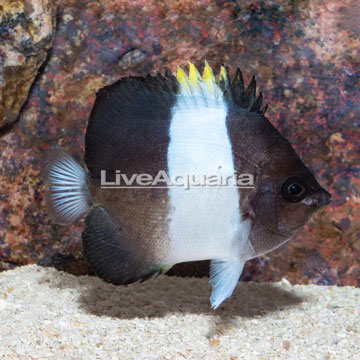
x: 183, y: 124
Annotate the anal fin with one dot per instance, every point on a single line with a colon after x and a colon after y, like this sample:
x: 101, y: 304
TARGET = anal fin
x: 224, y: 276
x: 112, y: 253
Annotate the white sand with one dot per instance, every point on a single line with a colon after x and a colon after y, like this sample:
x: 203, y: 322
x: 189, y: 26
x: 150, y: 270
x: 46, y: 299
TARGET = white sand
x: 46, y: 314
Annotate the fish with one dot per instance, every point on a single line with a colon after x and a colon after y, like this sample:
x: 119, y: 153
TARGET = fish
x: 139, y: 223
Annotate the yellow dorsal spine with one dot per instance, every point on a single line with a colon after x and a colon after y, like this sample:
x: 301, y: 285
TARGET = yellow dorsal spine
x: 183, y: 80
x: 194, y: 79
x: 209, y: 79
x: 223, y: 74
x: 204, y: 85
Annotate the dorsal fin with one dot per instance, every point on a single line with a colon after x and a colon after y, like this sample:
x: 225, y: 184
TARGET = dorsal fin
x: 257, y: 104
x: 171, y: 80
x: 249, y: 96
x: 246, y: 99
x: 207, y: 86
x: 160, y: 83
x: 238, y: 87
x: 194, y: 84
x: 225, y: 85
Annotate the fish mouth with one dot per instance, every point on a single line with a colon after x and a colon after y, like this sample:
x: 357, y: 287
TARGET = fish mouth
x: 325, y: 197
x: 319, y: 199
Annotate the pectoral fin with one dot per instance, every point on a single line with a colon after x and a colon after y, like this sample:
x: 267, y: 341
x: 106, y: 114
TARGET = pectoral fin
x: 224, y: 275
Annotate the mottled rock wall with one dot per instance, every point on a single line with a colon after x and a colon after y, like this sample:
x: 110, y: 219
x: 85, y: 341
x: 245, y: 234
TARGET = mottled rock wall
x: 306, y: 58
x: 27, y: 29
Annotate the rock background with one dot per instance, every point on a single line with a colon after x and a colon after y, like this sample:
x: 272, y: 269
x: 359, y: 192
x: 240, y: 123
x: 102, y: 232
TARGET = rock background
x: 305, y: 55
x: 27, y: 29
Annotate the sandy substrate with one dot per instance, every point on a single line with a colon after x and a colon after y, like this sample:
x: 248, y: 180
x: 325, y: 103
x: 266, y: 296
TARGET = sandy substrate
x: 46, y: 314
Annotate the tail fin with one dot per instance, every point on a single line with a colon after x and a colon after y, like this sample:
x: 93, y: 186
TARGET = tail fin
x: 66, y: 193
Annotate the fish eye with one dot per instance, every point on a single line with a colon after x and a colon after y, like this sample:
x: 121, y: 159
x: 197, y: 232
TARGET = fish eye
x: 293, y: 190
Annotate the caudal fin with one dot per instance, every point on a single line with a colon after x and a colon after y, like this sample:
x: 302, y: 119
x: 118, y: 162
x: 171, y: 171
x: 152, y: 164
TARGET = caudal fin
x: 66, y: 193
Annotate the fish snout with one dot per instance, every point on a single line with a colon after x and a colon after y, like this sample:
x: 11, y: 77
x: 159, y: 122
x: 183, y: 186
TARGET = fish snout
x: 322, y: 198
x: 326, y: 198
